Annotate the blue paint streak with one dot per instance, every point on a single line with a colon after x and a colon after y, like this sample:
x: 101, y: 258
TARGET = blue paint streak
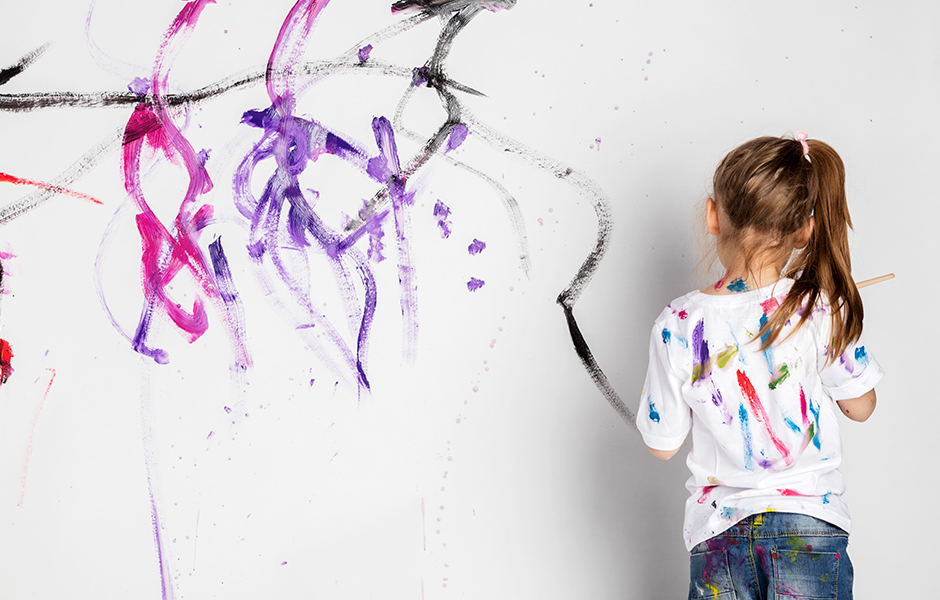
x: 814, y: 408
x: 861, y: 356
x: 746, y: 432
x: 768, y: 353
x: 737, y: 286
x: 654, y: 415
x: 793, y: 426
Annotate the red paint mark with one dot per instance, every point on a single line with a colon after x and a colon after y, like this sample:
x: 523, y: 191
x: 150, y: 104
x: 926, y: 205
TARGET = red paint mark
x: 747, y: 388
x: 32, y: 433
x: 6, y: 356
x: 6, y: 178
x: 705, y: 492
x: 770, y: 306
x: 788, y: 492
x: 683, y: 315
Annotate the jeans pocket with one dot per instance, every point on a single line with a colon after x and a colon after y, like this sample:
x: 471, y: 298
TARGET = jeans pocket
x: 805, y: 575
x: 710, y: 576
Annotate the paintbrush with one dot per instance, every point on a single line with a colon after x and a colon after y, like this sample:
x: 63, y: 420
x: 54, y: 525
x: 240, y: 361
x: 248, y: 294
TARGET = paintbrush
x: 874, y: 280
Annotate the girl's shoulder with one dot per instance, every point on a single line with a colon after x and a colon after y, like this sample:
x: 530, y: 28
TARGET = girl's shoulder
x: 697, y: 304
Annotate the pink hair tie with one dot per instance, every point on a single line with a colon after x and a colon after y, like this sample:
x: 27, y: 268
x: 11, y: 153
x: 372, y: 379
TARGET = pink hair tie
x: 801, y: 138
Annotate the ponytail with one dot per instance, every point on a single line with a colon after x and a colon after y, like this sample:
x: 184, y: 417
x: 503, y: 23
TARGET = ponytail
x: 825, y: 264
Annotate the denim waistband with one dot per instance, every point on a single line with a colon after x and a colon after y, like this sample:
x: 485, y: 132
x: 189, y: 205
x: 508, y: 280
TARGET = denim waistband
x: 776, y: 524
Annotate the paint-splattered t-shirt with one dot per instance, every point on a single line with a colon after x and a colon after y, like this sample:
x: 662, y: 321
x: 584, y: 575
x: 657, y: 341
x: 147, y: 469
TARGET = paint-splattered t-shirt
x: 764, y: 430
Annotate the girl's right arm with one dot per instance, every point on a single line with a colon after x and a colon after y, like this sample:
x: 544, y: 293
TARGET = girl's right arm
x: 859, y: 409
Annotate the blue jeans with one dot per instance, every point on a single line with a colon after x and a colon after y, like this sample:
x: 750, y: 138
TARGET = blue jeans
x: 773, y: 556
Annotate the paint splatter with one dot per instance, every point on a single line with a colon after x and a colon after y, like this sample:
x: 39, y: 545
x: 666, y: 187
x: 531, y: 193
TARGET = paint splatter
x: 737, y: 286
x: 476, y: 247
x: 442, y: 211
x: 474, y: 284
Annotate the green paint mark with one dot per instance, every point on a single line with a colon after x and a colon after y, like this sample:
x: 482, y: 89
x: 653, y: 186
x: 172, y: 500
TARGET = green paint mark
x: 825, y: 577
x: 725, y: 355
x: 784, y: 373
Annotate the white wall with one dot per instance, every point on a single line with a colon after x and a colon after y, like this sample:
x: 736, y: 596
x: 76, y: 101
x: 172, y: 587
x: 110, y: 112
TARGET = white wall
x: 322, y: 492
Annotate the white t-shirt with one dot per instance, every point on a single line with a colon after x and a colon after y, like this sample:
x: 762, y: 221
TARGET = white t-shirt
x: 764, y: 430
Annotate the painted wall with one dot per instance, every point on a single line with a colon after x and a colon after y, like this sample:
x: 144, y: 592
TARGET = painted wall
x: 455, y: 445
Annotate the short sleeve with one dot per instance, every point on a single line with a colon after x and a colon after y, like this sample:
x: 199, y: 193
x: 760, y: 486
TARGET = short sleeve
x: 664, y: 419
x: 852, y: 374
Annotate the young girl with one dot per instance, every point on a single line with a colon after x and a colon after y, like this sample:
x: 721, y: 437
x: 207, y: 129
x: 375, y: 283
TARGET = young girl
x: 755, y: 366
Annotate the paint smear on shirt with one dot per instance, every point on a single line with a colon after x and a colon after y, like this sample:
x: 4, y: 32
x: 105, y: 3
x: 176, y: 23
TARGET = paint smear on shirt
x: 668, y: 336
x: 748, y: 441
x: 861, y: 356
x: 654, y: 414
x: 701, y: 368
x: 747, y: 389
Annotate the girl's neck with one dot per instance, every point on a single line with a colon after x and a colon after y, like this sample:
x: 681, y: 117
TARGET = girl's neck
x: 736, y: 282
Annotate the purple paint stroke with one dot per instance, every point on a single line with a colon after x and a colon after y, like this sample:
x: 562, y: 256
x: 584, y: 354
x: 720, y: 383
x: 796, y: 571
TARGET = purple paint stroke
x: 364, y: 52
x: 292, y: 142
x: 164, y: 252
x: 140, y: 86
x: 235, y: 312
x: 442, y: 211
x: 474, y: 284
x: 701, y: 365
x: 401, y: 201
x: 457, y: 137
x: 304, y: 227
x: 476, y: 247
x: 420, y: 76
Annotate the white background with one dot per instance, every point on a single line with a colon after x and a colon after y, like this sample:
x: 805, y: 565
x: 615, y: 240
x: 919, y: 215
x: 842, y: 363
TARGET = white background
x: 318, y: 492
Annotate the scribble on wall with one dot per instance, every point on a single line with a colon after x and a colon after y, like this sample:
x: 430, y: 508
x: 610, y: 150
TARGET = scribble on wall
x: 285, y: 229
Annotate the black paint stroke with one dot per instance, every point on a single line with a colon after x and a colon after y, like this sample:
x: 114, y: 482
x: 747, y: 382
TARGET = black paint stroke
x: 11, y: 72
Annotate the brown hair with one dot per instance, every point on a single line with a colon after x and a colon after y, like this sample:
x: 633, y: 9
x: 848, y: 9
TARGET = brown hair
x: 768, y: 190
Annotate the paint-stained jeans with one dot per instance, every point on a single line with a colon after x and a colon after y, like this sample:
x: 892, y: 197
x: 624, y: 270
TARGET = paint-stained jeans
x: 773, y: 556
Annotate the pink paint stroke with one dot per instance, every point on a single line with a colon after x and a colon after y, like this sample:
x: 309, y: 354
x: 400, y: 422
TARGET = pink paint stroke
x: 166, y: 253
x: 32, y: 435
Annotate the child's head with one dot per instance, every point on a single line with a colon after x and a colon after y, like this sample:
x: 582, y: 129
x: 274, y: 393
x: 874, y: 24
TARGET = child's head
x: 775, y: 195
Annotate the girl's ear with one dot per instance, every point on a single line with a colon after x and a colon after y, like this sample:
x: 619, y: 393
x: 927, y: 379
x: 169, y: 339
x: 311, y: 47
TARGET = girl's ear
x: 805, y: 234
x: 711, y: 216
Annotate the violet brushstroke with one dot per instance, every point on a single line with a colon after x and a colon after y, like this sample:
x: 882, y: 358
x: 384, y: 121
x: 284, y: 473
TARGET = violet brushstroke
x: 293, y: 142
x: 474, y: 284
x: 442, y: 211
x: 457, y: 137
x: 701, y: 365
x: 476, y: 247
x: 140, y: 86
